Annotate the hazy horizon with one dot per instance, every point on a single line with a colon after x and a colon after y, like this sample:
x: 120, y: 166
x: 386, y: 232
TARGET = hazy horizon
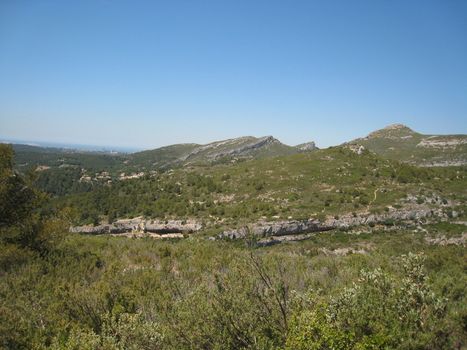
x: 147, y: 74
x: 130, y: 149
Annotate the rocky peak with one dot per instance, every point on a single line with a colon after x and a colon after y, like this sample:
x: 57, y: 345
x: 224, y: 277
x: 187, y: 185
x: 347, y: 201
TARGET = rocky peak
x: 393, y: 131
x: 307, y: 146
x: 241, y: 146
x: 396, y: 127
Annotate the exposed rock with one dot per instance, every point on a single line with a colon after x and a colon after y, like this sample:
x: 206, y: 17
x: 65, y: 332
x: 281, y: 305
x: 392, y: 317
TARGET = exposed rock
x: 172, y: 226
x: 396, y: 126
x: 139, y: 225
x: 123, y: 176
x: 442, y: 240
x: 415, y: 213
x: 148, y: 234
x: 295, y: 227
x: 442, y: 163
x: 359, y: 149
x: 279, y: 228
x: 42, y: 167
x: 343, y: 251
x: 392, y: 132
x: 265, y: 242
x: 442, y: 142
x: 308, y: 146
x: 233, y: 147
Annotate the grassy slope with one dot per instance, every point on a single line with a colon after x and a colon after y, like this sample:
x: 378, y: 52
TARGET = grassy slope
x: 163, y: 156
x: 402, y: 143
x: 325, y: 182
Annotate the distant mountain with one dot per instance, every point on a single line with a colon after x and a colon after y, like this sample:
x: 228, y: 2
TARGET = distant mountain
x: 397, y: 142
x: 401, y: 143
x: 247, y: 147
x: 242, y: 147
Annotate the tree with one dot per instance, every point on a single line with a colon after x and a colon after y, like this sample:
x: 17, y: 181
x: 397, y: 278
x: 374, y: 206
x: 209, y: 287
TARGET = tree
x: 20, y: 222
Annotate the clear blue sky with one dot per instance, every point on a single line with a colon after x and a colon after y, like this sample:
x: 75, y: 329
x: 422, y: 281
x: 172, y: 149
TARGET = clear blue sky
x: 152, y: 73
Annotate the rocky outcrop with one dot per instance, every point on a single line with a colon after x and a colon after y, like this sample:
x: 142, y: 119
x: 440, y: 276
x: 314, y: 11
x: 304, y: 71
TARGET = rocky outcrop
x: 261, y: 142
x: 355, y: 148
x: 234, y: 147
x: 392, y: 132
x: 343, y: 251
x: 280, y: 228
x: 296, y: 227
x: 269, y: 241
x: 441, y: 163
x: 442, y: 142
x: 141, y: 226
x: 413, y: 214
x: 306, y: 147
x: 442, y: 240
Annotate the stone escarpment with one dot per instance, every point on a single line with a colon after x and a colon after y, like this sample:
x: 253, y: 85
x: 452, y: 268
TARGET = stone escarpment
x: 280, y: 228
x: 268, y: 232
x: 294, y: 230
x: 242, y: 146
x: 141, y: 226
x: 308, y: 146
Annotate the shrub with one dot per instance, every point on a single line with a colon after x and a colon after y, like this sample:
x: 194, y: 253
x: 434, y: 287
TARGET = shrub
x: 378, y: 311
x: 119, y: 332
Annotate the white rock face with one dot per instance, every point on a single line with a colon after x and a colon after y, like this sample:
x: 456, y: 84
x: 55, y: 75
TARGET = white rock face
x: 395, y: 127
x: 232, y: 147
x: 358, y: 149
x: 442, y: 240
x: 138, y: 225
x: 309, y: 146
x: 432, y: 142
x: 298, y: 227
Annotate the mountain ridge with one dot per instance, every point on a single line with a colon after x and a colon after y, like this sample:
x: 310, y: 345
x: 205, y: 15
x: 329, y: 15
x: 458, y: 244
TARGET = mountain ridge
x: 395, y: 141
x: 244, y: 147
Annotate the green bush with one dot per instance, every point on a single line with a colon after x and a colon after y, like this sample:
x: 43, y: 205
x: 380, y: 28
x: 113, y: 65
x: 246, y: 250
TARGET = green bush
x: 380, y: 310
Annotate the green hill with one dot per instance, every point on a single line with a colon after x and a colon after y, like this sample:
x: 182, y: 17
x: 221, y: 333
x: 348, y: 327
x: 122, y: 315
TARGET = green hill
x: 161, y: 157
x: 401, y: 143
x: 30, y: 157
x: 247, y: 147
x: 318, y: 184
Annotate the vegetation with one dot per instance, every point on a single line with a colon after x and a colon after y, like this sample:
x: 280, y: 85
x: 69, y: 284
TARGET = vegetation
x: 401, y: 143
x: 29, y: 157
x: 318, y: 184
x: 115, y: 293
x: 337, y: 290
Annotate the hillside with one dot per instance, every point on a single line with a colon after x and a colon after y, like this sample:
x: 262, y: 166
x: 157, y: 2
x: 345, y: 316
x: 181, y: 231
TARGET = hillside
x: 62, y: 171
x: 31, y: 157
x: 372, y: 252
x: 401, y: 143
x: 247, y: 147
x: 161, y: 157
x: 324, y: 184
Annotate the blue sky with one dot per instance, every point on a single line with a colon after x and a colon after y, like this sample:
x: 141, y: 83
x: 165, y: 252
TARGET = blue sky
x: 152, y: 73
